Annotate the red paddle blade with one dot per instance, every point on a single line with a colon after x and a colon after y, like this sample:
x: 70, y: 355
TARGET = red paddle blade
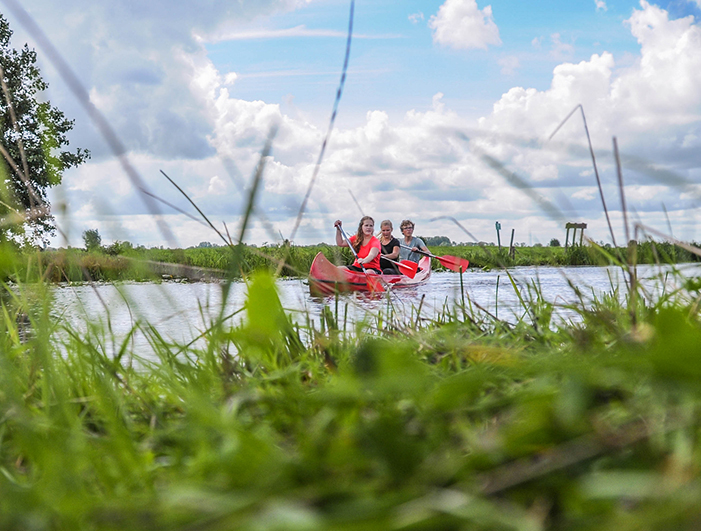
x: 454, y: 263
x: 408, y: 268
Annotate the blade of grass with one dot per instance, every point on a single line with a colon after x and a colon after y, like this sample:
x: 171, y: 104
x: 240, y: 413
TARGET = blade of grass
x: 593, y: 160
x: 339, y: 93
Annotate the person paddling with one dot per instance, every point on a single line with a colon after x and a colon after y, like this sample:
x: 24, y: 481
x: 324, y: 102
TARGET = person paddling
x: 390, y: 249
x: 366, y: 246
x: 410, y: 244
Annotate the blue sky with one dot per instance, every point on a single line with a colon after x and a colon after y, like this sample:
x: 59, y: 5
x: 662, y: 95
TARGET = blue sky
x: 395, y: 64
x: 434, y: 91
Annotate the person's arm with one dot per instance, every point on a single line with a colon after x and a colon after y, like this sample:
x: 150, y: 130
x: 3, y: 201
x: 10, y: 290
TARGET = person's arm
x: 420, y: 245
x: 370, y: 257
x: 394, y: 254
x: 339, y: 237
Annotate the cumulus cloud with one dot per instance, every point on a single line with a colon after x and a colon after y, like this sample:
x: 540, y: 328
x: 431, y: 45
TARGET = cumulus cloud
x: 601, y: 5
x: 419, y: 163
x: 653, y: 107
x: 461, y: 24
x: 134, y: 57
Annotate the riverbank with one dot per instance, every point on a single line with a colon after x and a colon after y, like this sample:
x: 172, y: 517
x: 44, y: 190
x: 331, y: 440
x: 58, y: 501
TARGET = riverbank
x: 210, y: 263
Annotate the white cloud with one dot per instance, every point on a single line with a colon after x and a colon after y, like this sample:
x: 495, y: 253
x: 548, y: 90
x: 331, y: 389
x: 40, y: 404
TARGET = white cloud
x: 601, y: 5
x: 461, y: 24
x: 130, y: 55
x: 408, y: 165
x: 217, y: 185
x: 415, y: 18
x: 264, y: 33
x: 560, y: 50
x: 652, y: 105
x: 230, y: 78
x: 508, y: 64
x: 664, y: 84
x: 587, y: 193
x: 642, y: 193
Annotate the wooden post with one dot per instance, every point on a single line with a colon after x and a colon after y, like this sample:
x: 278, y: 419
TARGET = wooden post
x: 512, y: 250
x: 574, y: 227
x: 498, y: 226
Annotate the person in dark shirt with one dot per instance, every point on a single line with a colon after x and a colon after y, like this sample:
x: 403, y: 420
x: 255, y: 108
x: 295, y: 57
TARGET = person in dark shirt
x: 390, y: 248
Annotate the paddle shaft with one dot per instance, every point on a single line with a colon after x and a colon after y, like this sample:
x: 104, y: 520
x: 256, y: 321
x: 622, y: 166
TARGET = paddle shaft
x: 373, y: 285
x: 426, y: 253
x: 405, y: 266
x: 345, y: 237
x: 451, y: 262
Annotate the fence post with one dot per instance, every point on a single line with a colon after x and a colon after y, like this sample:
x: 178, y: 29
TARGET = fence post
x: 512, y: 250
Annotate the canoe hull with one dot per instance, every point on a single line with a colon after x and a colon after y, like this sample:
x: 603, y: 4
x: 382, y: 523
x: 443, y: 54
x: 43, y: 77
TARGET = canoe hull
x: 326, y: 279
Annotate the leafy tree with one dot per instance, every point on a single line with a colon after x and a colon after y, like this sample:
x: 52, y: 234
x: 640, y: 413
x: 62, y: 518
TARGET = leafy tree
x: 92, y: 240
x: 32, y: 138
x: 554, y: 242
x: 118, y: 248
x: 436, y: 241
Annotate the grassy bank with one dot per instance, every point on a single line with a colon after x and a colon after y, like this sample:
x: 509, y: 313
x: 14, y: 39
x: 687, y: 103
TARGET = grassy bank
x: 124, y: 262
x: 646, y: 252
x: 449, y: 421
x: 133, y: 263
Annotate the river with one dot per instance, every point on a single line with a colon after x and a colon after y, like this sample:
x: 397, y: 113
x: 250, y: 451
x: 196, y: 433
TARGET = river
x: 181, y: 311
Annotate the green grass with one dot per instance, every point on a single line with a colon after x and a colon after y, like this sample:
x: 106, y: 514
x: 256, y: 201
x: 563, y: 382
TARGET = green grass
x: 453, y: 421
x: 124, y: 262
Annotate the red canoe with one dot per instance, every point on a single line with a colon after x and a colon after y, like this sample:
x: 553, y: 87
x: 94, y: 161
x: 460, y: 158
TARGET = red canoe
x: 326, y: 279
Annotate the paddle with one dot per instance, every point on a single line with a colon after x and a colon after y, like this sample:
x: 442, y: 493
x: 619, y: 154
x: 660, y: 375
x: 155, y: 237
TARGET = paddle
x: 407, y: 267
x: 449, y: 262
x: 374, y: 284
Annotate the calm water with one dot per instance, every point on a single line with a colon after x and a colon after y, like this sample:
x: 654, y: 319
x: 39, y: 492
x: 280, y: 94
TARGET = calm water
x: 181, y: 311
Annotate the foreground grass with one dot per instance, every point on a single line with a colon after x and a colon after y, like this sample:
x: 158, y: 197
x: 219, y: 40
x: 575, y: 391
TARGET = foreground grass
x: 453, y: 421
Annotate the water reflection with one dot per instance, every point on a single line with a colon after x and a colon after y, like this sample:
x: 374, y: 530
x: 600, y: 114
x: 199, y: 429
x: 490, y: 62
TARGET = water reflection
x: 181, y: 311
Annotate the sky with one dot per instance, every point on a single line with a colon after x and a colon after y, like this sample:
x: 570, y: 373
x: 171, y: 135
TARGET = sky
x: 445, y: 116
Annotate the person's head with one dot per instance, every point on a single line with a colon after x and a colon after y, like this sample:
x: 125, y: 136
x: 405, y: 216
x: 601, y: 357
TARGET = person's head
x: 386, y: 228
x: 407, y: 227
x: 365, y: 228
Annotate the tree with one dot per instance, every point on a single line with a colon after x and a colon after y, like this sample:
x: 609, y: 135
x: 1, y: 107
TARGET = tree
x: 32, y: 138
x: 436, y: 241
x: 92, y: 240
x: 554, y: 242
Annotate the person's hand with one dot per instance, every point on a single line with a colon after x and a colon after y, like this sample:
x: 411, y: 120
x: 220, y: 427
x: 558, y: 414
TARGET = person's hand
x: 414, y: 249
x: 337, y: 224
